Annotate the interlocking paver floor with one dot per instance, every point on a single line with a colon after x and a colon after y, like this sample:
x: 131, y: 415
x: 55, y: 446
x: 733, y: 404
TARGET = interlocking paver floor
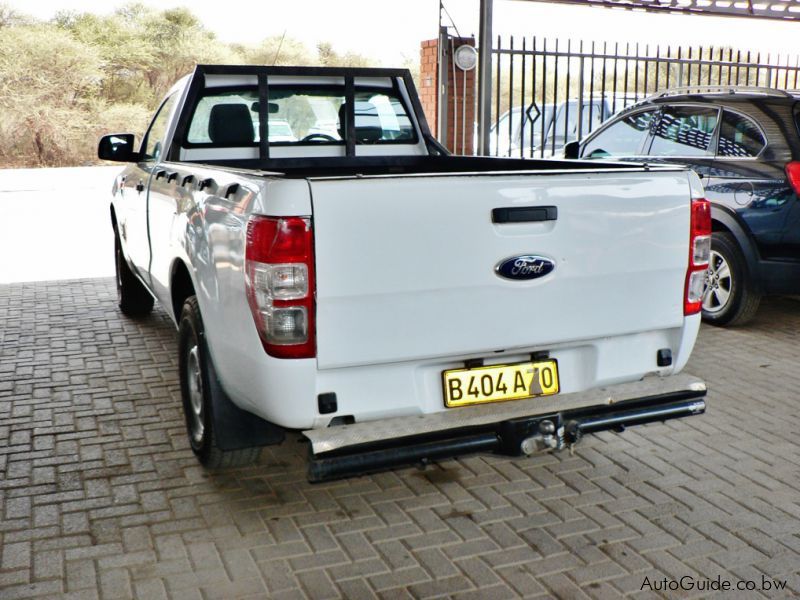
x: 100, y: 495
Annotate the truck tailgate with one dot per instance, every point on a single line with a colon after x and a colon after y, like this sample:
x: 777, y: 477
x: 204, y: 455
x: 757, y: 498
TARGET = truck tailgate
x: 406, y: 265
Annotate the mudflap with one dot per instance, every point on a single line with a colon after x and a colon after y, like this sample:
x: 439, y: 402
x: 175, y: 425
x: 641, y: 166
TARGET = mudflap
x: 235, y: 428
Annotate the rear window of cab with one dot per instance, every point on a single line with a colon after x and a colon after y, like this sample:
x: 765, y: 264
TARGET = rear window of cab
x: 298, y: 115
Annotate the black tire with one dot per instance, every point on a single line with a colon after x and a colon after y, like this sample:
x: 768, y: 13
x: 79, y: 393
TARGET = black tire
x: 198, y: 387
x: 133, y: 298
x: 730, y: 298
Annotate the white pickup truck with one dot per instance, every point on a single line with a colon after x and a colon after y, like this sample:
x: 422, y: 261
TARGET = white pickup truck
x: 343, y: 276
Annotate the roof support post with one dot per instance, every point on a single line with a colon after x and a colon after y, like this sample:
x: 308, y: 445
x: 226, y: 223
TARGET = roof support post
x: 485, y: 76
x: 444, y: 59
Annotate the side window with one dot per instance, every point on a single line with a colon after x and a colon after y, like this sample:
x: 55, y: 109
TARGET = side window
x: 623, y: 138
x: 499, y: 134
x: 516, y: 117
x: 561, y: 116
x: 739, y: 136
x: 154, y: 139
x: 571, y: 119
x: 684, y: 131
x: 502, y: 124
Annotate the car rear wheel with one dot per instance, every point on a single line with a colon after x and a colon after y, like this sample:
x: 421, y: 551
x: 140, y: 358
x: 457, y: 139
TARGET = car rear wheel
x: 198, y: 386
x: 729, y: 297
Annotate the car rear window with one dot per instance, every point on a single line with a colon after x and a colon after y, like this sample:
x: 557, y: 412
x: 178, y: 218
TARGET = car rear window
x: 739, y: 136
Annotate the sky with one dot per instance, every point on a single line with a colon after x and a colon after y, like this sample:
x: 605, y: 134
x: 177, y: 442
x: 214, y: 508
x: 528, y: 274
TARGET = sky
x: 391, y: 30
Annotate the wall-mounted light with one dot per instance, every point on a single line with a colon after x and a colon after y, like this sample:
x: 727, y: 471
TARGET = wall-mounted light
x: 466, y: 57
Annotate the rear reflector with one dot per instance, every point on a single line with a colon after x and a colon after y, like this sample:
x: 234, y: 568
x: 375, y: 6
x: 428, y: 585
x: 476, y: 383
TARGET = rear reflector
x: 699, y: 254
x: 279, y: 279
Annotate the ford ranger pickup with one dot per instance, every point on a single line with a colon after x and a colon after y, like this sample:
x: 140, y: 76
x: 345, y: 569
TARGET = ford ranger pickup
x: 333, y: 270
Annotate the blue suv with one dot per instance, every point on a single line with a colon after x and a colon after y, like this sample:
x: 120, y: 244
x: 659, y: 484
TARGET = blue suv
x: 744, y: 144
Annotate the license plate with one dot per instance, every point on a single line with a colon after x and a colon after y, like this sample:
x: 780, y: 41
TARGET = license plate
x: 498, y: 383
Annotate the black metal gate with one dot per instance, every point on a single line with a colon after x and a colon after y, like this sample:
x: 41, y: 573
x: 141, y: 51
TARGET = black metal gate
x: 550, y: 92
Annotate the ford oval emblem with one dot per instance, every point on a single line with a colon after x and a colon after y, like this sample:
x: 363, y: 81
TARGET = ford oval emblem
x: 525, y: 267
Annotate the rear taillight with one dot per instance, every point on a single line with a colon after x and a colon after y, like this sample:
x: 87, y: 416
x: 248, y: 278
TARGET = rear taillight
x: 793, y: 175
x: 699, y: 253
x: 279, y: 277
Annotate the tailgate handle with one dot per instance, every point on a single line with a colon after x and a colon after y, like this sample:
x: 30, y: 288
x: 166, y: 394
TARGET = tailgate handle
x: 524, y: 214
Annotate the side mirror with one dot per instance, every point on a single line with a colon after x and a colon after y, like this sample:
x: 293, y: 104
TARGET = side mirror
x: 117, y: 147
x: 572, y: 149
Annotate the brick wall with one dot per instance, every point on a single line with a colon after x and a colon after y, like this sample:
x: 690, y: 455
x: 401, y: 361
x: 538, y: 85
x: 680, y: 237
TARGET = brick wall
x: 460, y: 114
x: 429, y: 80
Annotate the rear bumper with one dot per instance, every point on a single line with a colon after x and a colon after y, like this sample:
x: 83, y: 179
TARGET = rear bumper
x: 511, y: 429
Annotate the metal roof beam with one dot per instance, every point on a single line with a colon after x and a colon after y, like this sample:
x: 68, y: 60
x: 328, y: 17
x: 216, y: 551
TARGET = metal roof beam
x: 780, y: 10
x: 485, y: 76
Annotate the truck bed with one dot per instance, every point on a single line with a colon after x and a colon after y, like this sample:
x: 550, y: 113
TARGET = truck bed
x: 414, y: 165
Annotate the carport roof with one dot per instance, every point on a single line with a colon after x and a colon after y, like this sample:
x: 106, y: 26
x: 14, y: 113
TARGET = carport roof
x: 786, y: 10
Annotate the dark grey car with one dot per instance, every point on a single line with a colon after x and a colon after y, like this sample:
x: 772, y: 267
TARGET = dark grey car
x: 744, y: 144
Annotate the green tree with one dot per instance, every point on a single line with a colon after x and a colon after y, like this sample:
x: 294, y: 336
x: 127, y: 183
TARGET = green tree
x: 10, y: 17
x: 124, y: 60
x: 328, y: 57
x: 277, y: 50
x: 48, y: 81
x: 67, y: 81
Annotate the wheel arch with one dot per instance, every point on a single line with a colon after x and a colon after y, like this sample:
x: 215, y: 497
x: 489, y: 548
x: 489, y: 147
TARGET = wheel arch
x: 725, y: 220
x: 181, y: 286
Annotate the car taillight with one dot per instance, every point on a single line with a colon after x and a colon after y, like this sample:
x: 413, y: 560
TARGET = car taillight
x: 699, y: 253
x: 793, y: 175
x: 279, y: 278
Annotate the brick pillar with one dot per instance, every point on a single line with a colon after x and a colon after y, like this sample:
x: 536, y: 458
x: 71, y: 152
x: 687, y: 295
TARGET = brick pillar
x: 460, y: 98
x: 429, y: 81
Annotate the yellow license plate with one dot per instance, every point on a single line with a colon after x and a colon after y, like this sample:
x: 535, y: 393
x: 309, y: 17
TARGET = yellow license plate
x: 498, y: 383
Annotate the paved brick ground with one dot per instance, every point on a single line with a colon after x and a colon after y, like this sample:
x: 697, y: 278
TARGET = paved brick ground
x: 100, y: 496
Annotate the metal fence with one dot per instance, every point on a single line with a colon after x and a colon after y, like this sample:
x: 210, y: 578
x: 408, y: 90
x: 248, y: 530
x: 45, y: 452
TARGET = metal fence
x: 550, y: 92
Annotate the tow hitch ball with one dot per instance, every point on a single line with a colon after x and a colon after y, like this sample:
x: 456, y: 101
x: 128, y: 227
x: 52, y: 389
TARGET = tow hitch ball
x: 550, y: 436
x: 538, y: 434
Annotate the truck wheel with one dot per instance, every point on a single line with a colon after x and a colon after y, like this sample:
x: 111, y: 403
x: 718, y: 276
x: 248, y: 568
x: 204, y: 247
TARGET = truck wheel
x: 729, y: 297
x: 133, y: 298
x: 198, y: 385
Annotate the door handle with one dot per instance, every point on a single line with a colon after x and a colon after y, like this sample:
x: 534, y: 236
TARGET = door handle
x: 140, y: 186
x: 524, y: 214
